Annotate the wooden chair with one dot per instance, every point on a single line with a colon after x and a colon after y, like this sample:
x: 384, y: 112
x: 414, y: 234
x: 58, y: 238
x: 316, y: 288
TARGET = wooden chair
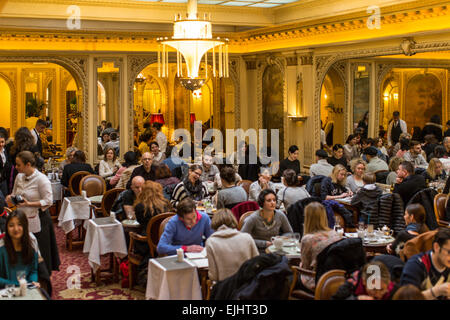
x: 300, y: 294
x: 440, y: 202
x: 328, y: 284
x: 246, y: 185
x: 242, y: 219
x: 423, y: 242
x: 74, y: 182
x: 209, y: 285
x: 162, y: 226
x: 108, y: 200
x: 152, y: 239
x: 93, y: 184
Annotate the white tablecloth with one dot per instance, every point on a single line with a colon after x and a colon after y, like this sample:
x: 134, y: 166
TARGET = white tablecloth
x: 165, y: 283
x: 57, y: 190
x: 71, y: 211
x: 103, y: 239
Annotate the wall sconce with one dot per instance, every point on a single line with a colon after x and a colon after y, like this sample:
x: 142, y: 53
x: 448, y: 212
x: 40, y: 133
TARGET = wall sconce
x: 297, y: 118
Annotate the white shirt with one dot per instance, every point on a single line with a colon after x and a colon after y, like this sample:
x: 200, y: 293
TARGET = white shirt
x: 36, y: 187
x: 162, y: 141
x: 2, y: 154
x: 35, y: 135
x: 402, y: 126
x: 106, y: 168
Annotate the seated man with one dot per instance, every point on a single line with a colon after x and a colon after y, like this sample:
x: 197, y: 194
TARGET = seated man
x: 414, y: 155
x: 429, y: 271
x: 146, y: 170
x: 209, y: 169
x: 185, y: 230
x: 374, y: 163
x: 125, y: 201
x: 408, y: 183
x: 322, y: 167
x: 262, y: 183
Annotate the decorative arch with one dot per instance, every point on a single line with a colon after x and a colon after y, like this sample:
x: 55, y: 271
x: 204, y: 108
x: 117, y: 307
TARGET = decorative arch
x: 13, y: 100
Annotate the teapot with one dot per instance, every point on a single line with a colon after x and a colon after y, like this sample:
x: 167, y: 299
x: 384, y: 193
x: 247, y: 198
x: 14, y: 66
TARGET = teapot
x: 387, y: 231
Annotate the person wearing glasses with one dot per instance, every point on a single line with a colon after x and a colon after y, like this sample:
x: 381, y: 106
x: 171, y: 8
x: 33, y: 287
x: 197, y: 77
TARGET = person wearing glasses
x: 146, y: 170
x: 429, y: 271
x: 191, y: 186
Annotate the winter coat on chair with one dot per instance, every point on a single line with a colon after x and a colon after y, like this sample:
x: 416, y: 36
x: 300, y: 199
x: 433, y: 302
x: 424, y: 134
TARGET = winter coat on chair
x: 313, y: 185
x: 264, y: 277
x: 296, y: 215
x: 346, y: 254
x: 426, y: 198
x: 391, y: 212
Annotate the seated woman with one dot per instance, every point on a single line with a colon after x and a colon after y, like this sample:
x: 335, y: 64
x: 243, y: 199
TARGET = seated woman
x: 17, y: 253
x: 150, y: 202
x: 291, y: 192
x: 379, y: 144
x: 334, y: 186
x: 231, y: 194
x: 164, y: 177
x: 69, y: 156
x: 434, y: 171
x: 144, y: 139
x: 351, y: 150
x: 77, y: 164
x: 267, y: 222
x: 338, y: 156
x: 122, y: 175
x: 158, y: 156
x: 109, y: 165
x: 317, y: 236
x: 357, y: 288
x: 191, y: 186
x: 415, y: 225
x: 394, y: 163
x: 355, y: 181
x: 227, y: 248
x: 404, y: 147
x: 218, y: 179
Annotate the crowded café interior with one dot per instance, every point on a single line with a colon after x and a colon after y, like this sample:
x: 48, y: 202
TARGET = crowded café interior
x: 224, y: 150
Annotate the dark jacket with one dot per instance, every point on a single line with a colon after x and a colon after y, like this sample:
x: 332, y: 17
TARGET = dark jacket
x: 332, y: 207
x: 409, y: 187
x: 366, y: 201
x: 434, y: 129
x: 313, y: 185
x: 347, y: 254
x: 295, y: 213
x: 264, y: 277
x: 426, y: 198
x: 328, y: 188
x: 391, y: 212
x: 140, y: 171
x: 72, y: 168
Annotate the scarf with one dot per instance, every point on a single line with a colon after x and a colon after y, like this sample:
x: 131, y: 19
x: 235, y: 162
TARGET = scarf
x: 193, y: 191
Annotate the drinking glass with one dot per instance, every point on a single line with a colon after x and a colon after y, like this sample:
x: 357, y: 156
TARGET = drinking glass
x: 361, y: 225
x: 20, y: 274
x: 10, y: 288
x: 337, y: 223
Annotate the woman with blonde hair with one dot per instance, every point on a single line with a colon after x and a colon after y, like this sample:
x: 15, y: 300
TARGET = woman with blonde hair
x: 227, y: 248
x: 334, y: 186
x: 149, y: 203
x: 354, y: 181
x: 317, y: 236
x: 394, y: 163
x: 434, y: 171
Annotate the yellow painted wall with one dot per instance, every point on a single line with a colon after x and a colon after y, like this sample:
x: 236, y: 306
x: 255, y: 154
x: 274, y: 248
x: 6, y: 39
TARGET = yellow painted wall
x: 5, y: 104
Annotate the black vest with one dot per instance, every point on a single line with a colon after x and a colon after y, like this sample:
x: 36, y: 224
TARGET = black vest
x: 39, y: 142
x: 396, y: 131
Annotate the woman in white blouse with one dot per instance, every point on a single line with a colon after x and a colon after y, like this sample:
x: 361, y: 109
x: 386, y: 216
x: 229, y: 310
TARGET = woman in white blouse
x: 109, y: 165
x: 36, y: 190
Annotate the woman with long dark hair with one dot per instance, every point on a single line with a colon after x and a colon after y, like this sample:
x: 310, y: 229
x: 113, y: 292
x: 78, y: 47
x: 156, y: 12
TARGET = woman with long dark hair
x: 18, y: 254
x: 23, y: 141
x: 32, y: 193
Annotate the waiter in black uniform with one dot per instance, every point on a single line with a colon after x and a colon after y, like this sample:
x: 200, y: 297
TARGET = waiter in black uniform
x: 37, y: 130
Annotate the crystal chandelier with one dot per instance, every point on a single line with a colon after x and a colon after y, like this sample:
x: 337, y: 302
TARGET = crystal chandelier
x: 192, y: 39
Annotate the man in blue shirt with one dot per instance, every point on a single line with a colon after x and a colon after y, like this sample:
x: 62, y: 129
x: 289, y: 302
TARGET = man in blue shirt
x: 429, y: 271
x: 188, y: 230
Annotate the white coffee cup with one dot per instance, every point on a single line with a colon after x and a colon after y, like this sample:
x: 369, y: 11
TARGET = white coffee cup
x: 277, y: 242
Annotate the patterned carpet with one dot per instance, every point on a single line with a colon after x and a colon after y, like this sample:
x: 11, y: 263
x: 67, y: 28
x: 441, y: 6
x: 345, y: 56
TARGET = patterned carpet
x: 88, y: 289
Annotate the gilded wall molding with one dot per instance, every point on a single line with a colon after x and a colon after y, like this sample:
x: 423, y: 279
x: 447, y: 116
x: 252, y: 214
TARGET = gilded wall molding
x: 341, y: 69
x: 234, y: 76
x: 76, y: 65
x: 10, y: 76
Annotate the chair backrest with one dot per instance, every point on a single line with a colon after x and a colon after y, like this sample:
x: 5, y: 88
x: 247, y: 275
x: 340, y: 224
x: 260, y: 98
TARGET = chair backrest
x: 93, y: 184
x: 423, y: 242
x: 242, y: 219
x: 246, y: 185
x: 440, y: 201
x: 329, y: 283
x: 244, y: 207
x: 108, y: 200
x: 74, y: 182
x: 162, y: 226
x: 153, y: 230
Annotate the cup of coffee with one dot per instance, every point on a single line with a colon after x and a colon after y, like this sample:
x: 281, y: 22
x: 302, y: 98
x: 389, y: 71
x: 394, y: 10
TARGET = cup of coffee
x: 277, y: 242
